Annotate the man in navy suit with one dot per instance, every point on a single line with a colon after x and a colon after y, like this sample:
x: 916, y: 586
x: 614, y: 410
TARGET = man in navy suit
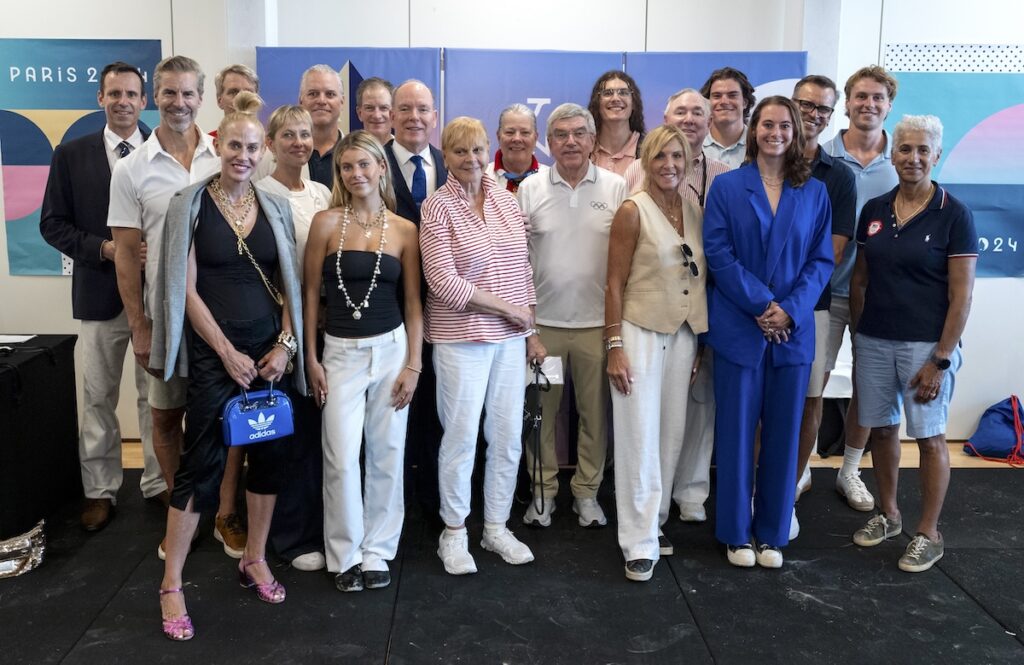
x: 417, y: 171
x: 74, y: 220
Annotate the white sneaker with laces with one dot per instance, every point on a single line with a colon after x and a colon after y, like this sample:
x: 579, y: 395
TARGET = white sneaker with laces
x: 589, y: 511
x: 692, y: 512
x: 534, y: 516
x: 850, y: 486
x: 804, y: 483
x: 768, y: 556
x: 453, y: 548
x: 507, y: 546
x: 741, y: 555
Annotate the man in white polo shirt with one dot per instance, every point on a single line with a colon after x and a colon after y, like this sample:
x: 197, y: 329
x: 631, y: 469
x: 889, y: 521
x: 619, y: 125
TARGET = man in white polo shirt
x: 176, y: 154
x: 569, y: 210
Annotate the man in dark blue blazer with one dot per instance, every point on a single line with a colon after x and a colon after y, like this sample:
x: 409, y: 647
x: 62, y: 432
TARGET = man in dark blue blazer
x: 417, y: 171
x: 74, y: 221
x: 768, y: 246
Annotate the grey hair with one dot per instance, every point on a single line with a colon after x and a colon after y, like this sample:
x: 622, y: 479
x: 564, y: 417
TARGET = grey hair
x: 178, y: 64
x: 929, y: 124
x: 570, y: 110
x: 241, y: 70
x: 522, y: 109
x: 319, y: 69
x: 704, y: 100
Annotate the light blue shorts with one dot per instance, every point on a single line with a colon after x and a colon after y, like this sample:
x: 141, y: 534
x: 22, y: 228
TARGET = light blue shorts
x: 884, y: 369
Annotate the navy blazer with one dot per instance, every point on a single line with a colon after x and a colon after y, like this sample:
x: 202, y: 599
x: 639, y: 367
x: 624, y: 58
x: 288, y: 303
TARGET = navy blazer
x: 406, y: 207
x: 792, y: 269
x: 74, y: 221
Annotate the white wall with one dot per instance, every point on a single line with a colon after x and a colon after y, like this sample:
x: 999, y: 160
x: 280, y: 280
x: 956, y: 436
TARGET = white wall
x: 840, y: 36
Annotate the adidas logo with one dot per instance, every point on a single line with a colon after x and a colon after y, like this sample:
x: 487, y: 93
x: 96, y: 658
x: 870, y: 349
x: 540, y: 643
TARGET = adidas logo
x: 261, y: 427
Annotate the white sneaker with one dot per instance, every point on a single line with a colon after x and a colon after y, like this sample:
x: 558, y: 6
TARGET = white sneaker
x: 741, y: 555
x: 857, y: 495
x: 507, y: 546
x: 453, y: 548
x: 768, y: 556
x: 309, y: 562
x: 589, y: 511
x: 804, y: 483
x: 692, y: 512
x: 794, y: 526
x: 534, y: 516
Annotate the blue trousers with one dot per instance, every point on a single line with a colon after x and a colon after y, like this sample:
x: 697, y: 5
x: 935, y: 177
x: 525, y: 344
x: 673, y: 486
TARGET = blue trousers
x: 744, y: 397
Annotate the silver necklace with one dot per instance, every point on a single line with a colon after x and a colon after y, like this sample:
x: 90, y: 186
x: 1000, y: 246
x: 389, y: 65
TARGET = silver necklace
x: 381, y: 221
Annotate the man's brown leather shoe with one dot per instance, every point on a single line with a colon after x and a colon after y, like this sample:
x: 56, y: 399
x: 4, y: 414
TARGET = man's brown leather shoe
x: 96, y: 513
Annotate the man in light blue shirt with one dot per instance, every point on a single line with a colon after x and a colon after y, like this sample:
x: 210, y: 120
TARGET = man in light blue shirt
x: 865, y: 148
x: 732, y: 100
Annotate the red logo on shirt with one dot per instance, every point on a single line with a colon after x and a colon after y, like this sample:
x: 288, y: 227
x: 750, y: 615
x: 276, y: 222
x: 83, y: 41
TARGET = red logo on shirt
x: 874, y: 227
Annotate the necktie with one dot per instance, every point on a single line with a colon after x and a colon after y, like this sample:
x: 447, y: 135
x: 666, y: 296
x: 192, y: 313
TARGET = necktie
x: 123, y: 148
x: 419, y: 181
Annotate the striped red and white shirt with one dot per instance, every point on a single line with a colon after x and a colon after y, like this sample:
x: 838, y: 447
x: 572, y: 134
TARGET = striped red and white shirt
x: 462, y: 253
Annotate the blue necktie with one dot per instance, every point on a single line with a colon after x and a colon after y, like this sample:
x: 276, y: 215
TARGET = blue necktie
x: 123, y: 148
x: 419, y: 181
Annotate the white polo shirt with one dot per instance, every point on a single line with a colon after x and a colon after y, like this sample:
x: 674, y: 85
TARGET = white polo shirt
x: 141, y: 187
x: 569, y: 243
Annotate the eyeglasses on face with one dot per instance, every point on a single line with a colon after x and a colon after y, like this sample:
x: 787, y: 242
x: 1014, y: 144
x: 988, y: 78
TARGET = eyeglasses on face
x: 811, y: 107
x: 561, y: 135
x: 688, y: 259
x: 608, y: 93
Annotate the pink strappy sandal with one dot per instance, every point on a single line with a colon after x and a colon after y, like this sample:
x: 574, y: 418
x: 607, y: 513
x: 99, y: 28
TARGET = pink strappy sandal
x: 269, y: 592
x: 179, y: 629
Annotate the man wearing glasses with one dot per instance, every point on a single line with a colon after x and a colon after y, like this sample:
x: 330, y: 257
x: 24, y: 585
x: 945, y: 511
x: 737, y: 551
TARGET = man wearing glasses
x: 865, y: 148
x: 569, y: 210
x: 816, y: 97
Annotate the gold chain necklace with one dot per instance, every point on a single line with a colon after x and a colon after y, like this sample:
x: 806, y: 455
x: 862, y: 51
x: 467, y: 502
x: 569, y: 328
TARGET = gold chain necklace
x: 903, y: 219
x: 674, y: 220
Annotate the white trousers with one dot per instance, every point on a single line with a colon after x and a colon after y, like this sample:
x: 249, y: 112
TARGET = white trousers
x: 693, y: 473
x: 104, y: 344
x: 474, y: 377
x: 362, y: 523
x: 649, y: 426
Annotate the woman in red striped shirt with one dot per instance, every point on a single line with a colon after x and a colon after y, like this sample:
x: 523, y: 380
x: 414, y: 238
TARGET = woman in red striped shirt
x: 479, y: 317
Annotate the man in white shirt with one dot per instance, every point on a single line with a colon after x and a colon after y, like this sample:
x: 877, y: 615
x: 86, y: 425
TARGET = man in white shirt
x: 74, y: 220
x: 732, y: 100
x: 176, y: 154
x: 569, y: 210
x: 517, y: 140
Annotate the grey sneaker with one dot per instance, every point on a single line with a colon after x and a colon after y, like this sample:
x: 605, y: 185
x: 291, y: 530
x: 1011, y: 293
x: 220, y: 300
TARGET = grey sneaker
x: 589, y: 511
x: 878, y: 529
x: 921, y: 554
x: 534, y: 516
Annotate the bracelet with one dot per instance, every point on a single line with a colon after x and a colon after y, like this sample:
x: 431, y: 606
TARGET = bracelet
x: 612, y: 325
x: 531, y: 332
x: 613, y: 345
x: 413, y: 369
x: 613, y: 338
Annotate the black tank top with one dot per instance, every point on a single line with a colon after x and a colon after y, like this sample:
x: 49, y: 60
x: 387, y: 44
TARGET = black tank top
x: 226, y: 281
x: 382, y: 314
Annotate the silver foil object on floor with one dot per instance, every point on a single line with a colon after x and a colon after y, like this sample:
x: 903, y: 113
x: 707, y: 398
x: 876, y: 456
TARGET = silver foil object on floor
x: 22, y: 553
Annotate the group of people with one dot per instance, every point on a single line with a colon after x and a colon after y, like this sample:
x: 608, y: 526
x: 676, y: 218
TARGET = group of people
x: 397, y: 291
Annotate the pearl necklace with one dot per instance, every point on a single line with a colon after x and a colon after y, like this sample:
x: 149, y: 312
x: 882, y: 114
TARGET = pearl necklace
x: 381, y: 221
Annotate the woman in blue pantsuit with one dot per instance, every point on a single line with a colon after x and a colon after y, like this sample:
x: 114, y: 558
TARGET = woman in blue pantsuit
x: 768, y: 247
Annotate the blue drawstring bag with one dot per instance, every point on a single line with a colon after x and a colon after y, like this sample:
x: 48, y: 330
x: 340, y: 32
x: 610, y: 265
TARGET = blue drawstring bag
x: 1000, y: 433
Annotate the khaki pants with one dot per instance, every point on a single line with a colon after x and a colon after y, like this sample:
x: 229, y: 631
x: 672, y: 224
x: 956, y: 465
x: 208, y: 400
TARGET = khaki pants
x: 583, y: 357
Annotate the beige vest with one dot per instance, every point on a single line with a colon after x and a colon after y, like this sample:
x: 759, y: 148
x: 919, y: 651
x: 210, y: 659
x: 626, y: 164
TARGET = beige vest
x: 661, y: 293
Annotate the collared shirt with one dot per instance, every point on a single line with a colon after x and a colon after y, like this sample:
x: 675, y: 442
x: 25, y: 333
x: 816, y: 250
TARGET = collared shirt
x: 142, y: 185
x: 404, y: 158
x: 907, y: 297
x: 569, y: 229
x: 616, y: 162
x: 497, y: 171
x: 842, y: 193
x: 313, y: 198
x: 112, y: 141
x: 694, y: 188
x: 873, y: 180
x: 321, y: 167
x: 733, y: 155
x: 462, y: 253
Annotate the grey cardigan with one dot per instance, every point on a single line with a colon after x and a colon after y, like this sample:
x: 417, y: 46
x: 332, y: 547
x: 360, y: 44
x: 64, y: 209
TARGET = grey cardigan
x: 168, y: 351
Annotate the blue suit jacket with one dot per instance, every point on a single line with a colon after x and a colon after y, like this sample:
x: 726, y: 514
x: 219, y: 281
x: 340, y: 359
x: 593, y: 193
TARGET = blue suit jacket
x: 406, y: 207
x: 792, y: 268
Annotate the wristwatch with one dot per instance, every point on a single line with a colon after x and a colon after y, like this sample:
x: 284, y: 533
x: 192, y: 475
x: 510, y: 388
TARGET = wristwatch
x: 941, y: 363
x: 288, y: 342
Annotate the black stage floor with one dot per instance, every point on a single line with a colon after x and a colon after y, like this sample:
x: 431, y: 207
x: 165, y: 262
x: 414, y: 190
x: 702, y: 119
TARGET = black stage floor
x: 94, y: 599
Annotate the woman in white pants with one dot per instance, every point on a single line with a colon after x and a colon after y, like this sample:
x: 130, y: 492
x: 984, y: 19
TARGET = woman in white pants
x: 655, y: 306
x: 365, y: 256
x: 479, y: 313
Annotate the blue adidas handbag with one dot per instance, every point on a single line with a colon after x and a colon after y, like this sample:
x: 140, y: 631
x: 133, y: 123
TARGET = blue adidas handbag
x: 256, y: 416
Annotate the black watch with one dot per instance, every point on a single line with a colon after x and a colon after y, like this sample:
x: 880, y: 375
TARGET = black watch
x: 941, y: 363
